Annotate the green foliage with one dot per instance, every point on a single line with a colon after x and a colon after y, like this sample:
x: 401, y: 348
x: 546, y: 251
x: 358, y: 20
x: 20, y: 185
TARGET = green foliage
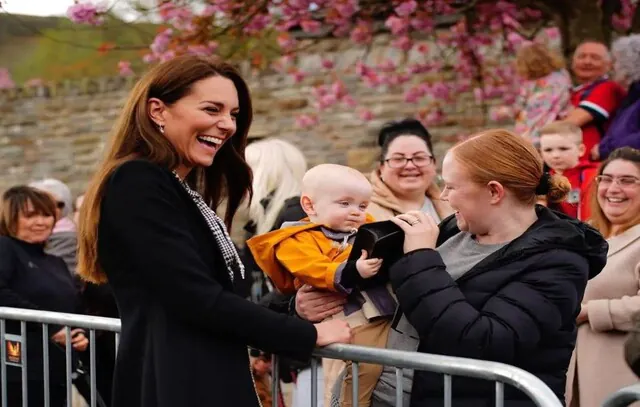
x: 55, y: 48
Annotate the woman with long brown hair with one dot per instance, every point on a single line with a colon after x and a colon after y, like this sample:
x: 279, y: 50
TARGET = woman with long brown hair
x: 148, y: 224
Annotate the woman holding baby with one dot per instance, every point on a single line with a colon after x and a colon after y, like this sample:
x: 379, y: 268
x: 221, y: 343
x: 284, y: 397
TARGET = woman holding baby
x: 500, y: 280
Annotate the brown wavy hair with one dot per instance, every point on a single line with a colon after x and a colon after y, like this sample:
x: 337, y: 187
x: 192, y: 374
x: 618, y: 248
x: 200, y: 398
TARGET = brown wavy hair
x: 536, y: 61
x: 598, y: 218
x: 510, y: 160
x: 135, y: 135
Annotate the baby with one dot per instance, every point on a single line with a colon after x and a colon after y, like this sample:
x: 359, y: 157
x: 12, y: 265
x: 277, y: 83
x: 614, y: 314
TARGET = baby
x: 315, y: 251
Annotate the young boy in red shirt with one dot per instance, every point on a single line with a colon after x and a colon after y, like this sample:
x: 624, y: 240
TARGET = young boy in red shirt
x: 561, y: 147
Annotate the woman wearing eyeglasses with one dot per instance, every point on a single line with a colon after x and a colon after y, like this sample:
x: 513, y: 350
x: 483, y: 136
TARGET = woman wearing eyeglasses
x: 612, y: 298
x: 404, y: 179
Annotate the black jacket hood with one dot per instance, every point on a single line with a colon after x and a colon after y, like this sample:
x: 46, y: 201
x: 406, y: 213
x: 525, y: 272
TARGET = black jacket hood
x: 552, y: 230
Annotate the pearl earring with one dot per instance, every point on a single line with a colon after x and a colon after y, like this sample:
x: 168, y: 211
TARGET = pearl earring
x: 161, y: 128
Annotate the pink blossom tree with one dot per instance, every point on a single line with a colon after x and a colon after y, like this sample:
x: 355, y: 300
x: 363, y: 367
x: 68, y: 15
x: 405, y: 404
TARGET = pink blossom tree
x: 472, y: 42
x: 5, y: 79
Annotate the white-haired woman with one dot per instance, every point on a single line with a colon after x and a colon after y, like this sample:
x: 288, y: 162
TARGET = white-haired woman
x: 624, y: 130
x: 63, y: 239
x: 278, y: 167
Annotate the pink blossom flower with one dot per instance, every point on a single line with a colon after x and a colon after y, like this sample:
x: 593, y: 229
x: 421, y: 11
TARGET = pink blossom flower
x: 422, y: 23
x: 286, y: 42
x: 327, y: 101
x: 362, y: 32
x: 298, y: 76
x: 341, y: 29
x: 404, y: 43
x: 532, y: 13
x: 257, y: 23
x: 349, y: 101
x: 412, y: 96
x: 311, y: 26
x: 406, y: 8
x: 338, y: 89
x: 86, y: 13
x: 387, y: 66
x: 347, y: 9
x: 5, y: 79
x: 149, y: 58
x: 161, y: 41
x: 397, y: 25
x: 552, y: 33
x: 365, y: 115
x: 422, y: 48
x: 306, y: 121
x: 434, y: 117
x: 197, y: 49
x: 165, y: 56
x: 327, y: 63
x: 124, y: 68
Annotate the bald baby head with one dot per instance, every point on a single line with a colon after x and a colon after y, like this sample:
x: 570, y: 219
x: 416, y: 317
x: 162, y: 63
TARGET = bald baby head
x: 335, y: 196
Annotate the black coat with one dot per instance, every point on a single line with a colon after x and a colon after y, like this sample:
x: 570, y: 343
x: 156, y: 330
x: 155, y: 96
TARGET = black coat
x: 32, y: 279
x: 517, y: 306
x: 184, y: 331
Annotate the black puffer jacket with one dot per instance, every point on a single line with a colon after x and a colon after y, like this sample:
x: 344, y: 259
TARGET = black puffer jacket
x: 518, y: 306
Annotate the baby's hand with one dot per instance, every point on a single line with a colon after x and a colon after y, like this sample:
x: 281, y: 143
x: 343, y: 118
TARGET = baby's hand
x: 368, y: 268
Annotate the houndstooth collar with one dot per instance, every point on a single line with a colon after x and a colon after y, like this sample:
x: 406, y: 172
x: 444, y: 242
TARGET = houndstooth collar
x: 219, y: 230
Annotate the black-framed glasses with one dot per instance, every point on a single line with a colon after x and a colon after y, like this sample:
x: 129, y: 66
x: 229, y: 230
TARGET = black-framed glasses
x: 417, y: 160
x: 623, y: 181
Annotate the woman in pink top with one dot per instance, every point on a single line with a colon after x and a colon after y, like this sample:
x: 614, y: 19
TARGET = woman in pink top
x: 545, y: 92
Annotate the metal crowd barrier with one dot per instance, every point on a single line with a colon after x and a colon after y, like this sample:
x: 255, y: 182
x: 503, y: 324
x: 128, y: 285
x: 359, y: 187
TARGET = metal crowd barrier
x: 449, y: 366
x: 623, y: 397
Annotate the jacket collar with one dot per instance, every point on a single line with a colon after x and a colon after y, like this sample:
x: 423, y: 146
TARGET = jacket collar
x: 623, y: 240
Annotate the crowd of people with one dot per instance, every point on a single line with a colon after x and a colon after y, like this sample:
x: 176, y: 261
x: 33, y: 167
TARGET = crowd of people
x: 524, y: 249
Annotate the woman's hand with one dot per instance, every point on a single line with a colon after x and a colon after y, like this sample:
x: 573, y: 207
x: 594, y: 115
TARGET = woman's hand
x: 420, y: 230
x: 315, y: 305
x: 78, y: 340
x: 583, y: 316
x: 333, y: 331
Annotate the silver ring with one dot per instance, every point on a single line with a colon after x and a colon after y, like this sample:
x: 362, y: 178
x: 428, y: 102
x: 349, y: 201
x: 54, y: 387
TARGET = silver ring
x: 415, y: 222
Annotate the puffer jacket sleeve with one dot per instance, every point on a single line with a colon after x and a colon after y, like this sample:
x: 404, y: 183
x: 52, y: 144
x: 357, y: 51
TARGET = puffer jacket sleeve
x: 542, y: 299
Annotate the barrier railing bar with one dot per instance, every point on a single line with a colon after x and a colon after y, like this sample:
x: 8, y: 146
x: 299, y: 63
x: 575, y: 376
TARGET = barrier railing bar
x: 3, y: 363
x: 447, y: 390
x: 623, y: 397
x: 539, y: 393
x: 499, y: 394
x: 314, y: 382
x: 399, y: 389
x: 23, y: 357
x: 45, y: 363
x: 92, y: 367
x: 68, y: 369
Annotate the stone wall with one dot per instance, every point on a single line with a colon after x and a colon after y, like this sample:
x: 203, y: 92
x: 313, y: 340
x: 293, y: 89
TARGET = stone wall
x: 59, y: 130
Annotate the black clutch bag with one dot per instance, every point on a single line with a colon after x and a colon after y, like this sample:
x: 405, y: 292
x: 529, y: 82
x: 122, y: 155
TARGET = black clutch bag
x: 383, y: 240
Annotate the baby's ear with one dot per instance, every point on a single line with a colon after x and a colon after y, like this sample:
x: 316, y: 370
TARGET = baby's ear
x: 307, y: 205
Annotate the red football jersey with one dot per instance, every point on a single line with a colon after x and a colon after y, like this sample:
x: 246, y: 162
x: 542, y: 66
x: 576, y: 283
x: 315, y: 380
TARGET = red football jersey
x: 601, y: 99
x: 581, y: 177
